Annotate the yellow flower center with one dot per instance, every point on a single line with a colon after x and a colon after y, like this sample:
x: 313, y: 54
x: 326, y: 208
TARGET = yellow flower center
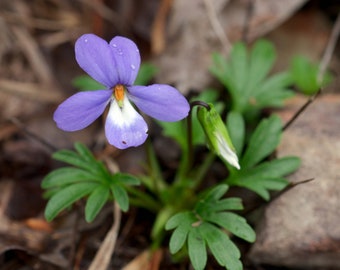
x: 118, y: 92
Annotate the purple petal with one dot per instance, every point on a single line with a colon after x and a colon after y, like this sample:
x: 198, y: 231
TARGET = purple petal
x: 160, y: 101
x: 125, y: 127
x: 127, y: 59
x: 109, y: 64
x: 81, y: 109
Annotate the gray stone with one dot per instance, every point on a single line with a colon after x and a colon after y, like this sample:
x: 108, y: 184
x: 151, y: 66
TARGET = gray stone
x: 301, y: 228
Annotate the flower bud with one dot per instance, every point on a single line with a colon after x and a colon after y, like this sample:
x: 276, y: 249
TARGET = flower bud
x: 217, y: 135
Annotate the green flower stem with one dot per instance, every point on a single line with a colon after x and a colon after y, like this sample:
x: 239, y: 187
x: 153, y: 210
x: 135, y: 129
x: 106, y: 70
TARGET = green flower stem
x: 188, y: 153
x: 158, y: 182
x: 189, y: 135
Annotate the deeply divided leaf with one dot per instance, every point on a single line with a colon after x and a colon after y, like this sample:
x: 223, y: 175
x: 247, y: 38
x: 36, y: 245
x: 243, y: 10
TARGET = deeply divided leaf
x: 245, y: 76
x: 224, y: 250
x: 121, y: 197
x: 65, y: 197
x: 197, y: 250
x: 65, y: 176
x: 234, y: 223
x: 263, y: 141
x: 237, y: 130
x: 266, y: 176
x: 95, y: 202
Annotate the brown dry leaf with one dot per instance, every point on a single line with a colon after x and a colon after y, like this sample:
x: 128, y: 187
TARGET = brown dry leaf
x: 146, y: 260
x: 194, y: 32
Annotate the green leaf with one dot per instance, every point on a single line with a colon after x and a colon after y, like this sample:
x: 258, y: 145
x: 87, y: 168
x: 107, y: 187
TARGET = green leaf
x: 65, y: 197
x: 86, y: 83
x: 305, y: 75
x: 263, y: 141
x: 267, y: 175
x: 73, y: 158
x: 262, y: 57
x: 95, y: 202
x: 65, y: 176
x: 234, y: 223
x: 237, y: 130
x: 215, y: 193
x: 176, y: 131
x: 239, y: 67
x: 244, y: 75
x: 197, y: 250
x: 206, y: 225
x: 227, y: 204
x: 261, y: 186
x: 176, y: 220
x: 121, y: 197
x: 84, y: 152
x: 269, y: 169
x: 183, y: 221
x: 224, y: 250
x: 126, y: 179
x: 146, y: 72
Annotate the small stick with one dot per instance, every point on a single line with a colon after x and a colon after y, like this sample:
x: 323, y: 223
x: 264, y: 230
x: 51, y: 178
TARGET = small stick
x: 289, y: 187
x: 216, y: 25
x: 248, y: 16
x: 32, y: 135
x: 104, y: 254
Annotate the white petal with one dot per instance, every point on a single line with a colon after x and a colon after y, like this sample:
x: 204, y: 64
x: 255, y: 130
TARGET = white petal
x: 226, y: 152
x: 125, y: 127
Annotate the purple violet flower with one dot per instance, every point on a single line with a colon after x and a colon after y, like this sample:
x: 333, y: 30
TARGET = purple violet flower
x: 115, y: 65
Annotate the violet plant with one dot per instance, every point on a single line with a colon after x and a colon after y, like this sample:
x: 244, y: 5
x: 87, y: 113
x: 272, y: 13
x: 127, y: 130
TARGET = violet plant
x: 200, y: 220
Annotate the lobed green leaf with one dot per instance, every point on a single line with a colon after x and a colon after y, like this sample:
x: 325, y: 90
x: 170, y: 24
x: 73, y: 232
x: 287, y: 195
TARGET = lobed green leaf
x: 234, y: 223
x: 262, y: 57
x: 125, y: 178
x: 95, y: 202
x: 197, y: 249
x: 121, y: 197
x: 237, y: 130
x: 66, y: 176
x: 223, y: 249
x: 65, y: 197
x: 263, y: 141
x: 74, y: 159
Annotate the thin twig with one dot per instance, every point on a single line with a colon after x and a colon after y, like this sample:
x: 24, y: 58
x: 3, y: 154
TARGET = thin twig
x: 301, y: 110
x: 104, y: 254
x: 329, y: 49
x: 324, y: 63
x: 248, y: 16
x: 34, y: 55
x: 32, y: 135
x: 289, y: 187
x: 277, y: 195
x: 216, y: 25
